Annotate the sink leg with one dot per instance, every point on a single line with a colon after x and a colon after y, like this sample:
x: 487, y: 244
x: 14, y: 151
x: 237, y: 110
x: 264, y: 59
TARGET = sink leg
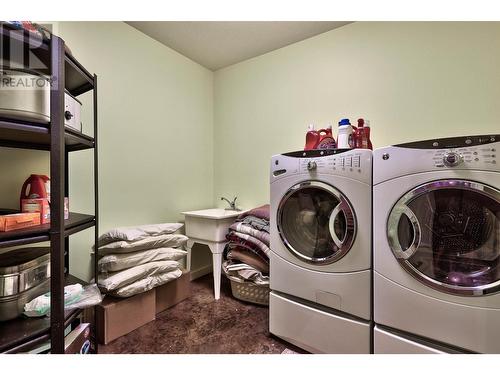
x: 189, y: 246
x: 217, y: 265
x: 217, y: 250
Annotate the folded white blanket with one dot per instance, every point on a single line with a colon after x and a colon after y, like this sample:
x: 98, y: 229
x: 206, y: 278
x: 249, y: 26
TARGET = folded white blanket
x: 137, y: 233
x: 148, y: 243
x: 114, y: 280
x: 143, y: 285
x: 118, y: 262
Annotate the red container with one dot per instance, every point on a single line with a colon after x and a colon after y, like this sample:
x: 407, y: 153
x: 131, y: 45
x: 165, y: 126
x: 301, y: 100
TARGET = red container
x: 322, y: 138
x: 326, y: 139
x: 312, y: 138
x: 362, y: 135
x: 37, y: 186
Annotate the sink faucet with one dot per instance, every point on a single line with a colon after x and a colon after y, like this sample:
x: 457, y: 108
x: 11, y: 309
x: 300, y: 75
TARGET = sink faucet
x: 232, y: 203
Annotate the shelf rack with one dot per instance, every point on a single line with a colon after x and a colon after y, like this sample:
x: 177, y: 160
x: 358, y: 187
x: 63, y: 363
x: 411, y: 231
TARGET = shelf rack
x: 66, y: 74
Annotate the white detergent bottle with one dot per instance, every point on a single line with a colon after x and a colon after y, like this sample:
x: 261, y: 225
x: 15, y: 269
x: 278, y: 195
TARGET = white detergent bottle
x: 344, y: 138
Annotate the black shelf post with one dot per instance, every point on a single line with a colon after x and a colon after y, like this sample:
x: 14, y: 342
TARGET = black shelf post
x: 57, y: 188
x: 96, y: 207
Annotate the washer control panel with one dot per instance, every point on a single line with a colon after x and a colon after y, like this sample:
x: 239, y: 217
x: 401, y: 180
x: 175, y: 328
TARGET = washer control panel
x: 352, y: 163
x: 348, y: 163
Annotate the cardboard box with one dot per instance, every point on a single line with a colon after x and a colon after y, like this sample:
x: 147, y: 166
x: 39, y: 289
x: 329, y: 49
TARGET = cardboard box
x: 42, y: 206
x: 18, y: 221
x: 118, y: 316
x: 173, y: 292
x: 39, y: 205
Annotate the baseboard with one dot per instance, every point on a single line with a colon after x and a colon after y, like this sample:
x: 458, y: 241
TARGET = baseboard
x: 202, y: 271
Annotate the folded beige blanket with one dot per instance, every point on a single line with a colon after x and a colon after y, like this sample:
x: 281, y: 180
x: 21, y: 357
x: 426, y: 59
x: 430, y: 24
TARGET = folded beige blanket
x: 148, y: 283
x: 137, y: 233
x: 114, y: 280
x: 148, y: 243
x: 118, y: 262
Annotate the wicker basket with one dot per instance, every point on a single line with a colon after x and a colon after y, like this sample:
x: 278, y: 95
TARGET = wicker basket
x: 248, y: 291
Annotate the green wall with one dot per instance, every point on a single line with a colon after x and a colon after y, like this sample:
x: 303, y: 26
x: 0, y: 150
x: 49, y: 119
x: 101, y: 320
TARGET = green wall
x: 155, y: 138
x: 413, y: 80
x: 175, y: 136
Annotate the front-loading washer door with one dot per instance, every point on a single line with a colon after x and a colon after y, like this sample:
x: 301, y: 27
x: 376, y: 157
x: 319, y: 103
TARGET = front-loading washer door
x: 316, y: 222
x: 446, y: 233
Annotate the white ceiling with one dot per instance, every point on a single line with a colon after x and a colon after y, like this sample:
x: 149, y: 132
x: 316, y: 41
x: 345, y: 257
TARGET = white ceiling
x: 216, y: 45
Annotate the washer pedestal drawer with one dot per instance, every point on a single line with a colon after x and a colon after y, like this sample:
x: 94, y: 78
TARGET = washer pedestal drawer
x: 315, y: 330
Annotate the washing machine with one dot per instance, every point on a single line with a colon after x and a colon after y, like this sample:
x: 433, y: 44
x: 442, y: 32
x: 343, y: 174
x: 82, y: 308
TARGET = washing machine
x: 436, y: 226
x: 320, y: 263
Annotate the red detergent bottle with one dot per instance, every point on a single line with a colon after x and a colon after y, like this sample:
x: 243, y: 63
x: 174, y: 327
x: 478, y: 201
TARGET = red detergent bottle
x: 362, y: 134
x: 35, y: 187
x: 326, y: 138
x: 312, y: 138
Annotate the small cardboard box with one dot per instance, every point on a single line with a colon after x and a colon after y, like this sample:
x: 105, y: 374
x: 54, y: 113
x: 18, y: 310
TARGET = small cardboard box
x: 18, y: 221
x: 118, y: 316
x: 39, y: 205
x: 173, y: 292
x: 42, y: 205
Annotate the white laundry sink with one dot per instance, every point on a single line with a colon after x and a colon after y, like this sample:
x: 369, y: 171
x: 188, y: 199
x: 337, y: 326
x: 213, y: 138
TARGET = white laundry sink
x: 211, y: 224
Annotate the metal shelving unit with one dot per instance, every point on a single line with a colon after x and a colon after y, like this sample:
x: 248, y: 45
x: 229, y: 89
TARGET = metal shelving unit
x: 66, y: 74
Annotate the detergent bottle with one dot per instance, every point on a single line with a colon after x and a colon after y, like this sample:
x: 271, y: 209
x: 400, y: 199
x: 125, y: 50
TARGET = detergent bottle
x: 312, y: 138
x: 345, y: 137
x: 35, y: 187
x: 35, y: 197
x: 362, y: 134
x: 326, y: 138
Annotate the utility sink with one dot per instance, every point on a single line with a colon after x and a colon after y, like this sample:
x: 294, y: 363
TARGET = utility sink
x: 211, y: 224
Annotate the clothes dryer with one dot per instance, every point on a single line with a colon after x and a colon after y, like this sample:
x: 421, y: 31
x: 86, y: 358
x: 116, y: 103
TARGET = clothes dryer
x: 436, y: 225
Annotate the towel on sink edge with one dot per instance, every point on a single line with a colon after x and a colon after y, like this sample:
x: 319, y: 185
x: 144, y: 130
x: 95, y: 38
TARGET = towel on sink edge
x: 261, y: 212
x: 256, y: 223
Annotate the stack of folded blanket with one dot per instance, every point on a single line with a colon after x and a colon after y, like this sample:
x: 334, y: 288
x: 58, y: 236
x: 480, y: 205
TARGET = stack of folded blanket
x: 133, y: 260
x: 247, y: 252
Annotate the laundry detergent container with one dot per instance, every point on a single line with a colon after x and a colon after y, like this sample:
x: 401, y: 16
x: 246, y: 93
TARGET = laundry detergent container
x: 24, y: 275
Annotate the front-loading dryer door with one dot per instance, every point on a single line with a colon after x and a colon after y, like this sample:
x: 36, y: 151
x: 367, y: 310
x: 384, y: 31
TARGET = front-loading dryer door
x: 316, y: 222
x: 446, y: 233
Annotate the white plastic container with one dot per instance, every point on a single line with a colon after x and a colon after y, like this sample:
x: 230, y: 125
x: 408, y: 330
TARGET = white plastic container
x: 72, y: 110
x: 25, y: 96
x: 344, y: 138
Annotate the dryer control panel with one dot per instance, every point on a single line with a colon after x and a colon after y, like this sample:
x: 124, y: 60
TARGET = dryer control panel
x: 470, y: 156
x: 352, y: 163
x: 478, y: 153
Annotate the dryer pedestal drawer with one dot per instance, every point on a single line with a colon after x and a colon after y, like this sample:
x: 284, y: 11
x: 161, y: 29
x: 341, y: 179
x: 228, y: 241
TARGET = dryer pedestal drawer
x: 315, y: 330
x: 389, y: 343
